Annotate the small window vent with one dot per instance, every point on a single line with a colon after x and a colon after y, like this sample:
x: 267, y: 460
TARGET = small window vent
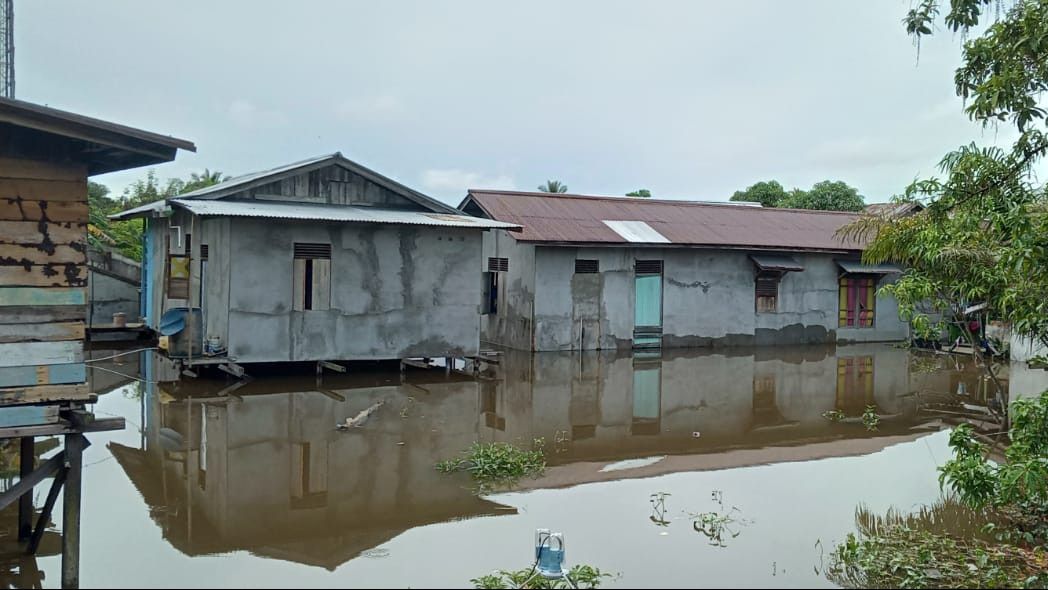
x: 498, y: 264
x: 203, y: 251
x: 587, y: 266
x: 649, y: 267
x: 767, y: 286
x: 305, y: 251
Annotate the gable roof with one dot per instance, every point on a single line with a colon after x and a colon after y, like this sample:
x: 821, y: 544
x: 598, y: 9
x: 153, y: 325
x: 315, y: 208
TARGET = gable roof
x: 254, y: 179
x: 101, y: 145
x: 583, y: 219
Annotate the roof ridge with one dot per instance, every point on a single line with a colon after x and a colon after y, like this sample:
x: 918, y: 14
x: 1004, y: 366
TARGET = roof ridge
x: 675, y: 202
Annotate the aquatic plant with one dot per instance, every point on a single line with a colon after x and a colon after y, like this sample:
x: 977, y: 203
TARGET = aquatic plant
x: 903, y: 557
x: 580, y: 576
x: 715, y: 525
x: 658, y: 508
x: 870, y: 419
x: 497, y: 463
x: 834, y: 415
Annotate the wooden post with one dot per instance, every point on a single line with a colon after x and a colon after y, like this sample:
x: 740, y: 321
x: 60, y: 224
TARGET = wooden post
x: 45, y: 512
x: 27, y: 462
x: 74, y: 450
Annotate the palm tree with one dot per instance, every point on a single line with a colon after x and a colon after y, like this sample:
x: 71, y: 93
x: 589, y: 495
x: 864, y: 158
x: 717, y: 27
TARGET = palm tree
x: 204, y: 179
x: 553, y: 186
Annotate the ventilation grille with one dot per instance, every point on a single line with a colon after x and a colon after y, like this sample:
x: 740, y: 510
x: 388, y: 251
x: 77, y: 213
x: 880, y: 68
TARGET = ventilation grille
x: 498, y: 264
x: 767, y: 286
x: 649, y: 267
x: 587, y: 266
x: 203, y: 251
x: 313, y: 251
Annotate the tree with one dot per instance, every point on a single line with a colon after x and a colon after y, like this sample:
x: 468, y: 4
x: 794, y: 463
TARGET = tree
x: 641, y: 193
x: 553, y: 186
x: 827, y: 196
x: 205, y: 179
x: 768, y: 193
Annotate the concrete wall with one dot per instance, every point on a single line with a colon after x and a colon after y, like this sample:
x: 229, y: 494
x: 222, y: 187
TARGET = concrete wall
x: 396, y: 292
x: 512, y: 324
x: 112, y: 286
x: 708, y: 300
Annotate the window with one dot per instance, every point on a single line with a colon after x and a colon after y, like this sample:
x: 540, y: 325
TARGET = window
x: 587, y: 266
x: 857, y: 301
x: 854, y: 384
x: 312, y: 277
x: 767, y: 291
x: 490, y: 303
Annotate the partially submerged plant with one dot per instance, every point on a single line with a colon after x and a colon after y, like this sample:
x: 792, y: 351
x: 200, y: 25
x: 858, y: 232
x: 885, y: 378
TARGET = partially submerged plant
x: 834, y: 415
x: 580, y: 576
x: 495, y: 463
x: 870, y: 419
x: 715, y: 525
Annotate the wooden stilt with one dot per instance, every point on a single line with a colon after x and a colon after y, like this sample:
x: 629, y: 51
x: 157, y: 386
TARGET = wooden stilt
x: 45, y: 512
x: 27, y: 462
x: 74, y: 451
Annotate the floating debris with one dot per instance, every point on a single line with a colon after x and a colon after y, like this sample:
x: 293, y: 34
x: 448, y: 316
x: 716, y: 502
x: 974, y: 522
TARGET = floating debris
x: 358, y: 420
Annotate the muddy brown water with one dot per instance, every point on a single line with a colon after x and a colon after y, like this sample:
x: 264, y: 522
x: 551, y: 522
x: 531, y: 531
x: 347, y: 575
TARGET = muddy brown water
x: 213, y: 486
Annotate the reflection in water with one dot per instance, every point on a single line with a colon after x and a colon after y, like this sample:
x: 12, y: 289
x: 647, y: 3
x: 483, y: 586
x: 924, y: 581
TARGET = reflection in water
x: 262, y: 466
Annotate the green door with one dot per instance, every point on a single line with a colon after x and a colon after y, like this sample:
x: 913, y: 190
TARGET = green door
x: 647, y: 311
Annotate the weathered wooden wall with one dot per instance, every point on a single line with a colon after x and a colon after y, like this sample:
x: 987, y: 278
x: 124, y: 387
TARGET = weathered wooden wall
x: 43, y: 275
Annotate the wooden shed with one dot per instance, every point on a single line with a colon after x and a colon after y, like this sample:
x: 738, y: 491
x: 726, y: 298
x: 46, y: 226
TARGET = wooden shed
x: 46, y: 156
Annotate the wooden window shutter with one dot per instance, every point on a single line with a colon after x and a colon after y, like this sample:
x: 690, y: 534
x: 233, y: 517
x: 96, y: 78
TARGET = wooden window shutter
x: 307, y: 250
x: 648, y: 267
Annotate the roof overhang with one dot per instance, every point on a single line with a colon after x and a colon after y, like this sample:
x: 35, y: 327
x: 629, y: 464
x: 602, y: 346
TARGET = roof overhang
x: 311, y: 212
x: 100, y: 145
x: 776, y: 262
x: 857, y: 267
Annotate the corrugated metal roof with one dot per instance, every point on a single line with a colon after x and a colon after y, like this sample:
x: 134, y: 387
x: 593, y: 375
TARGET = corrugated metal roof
x: 337, y: 213
x: 141, y: 211
x: 636, y: 231
x: 579, y: 219
x: 855, y: 266
x: 240, y: 183
x: 776, y: 262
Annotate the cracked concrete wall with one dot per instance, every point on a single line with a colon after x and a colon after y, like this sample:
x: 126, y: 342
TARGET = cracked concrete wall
x: 512, y: 325
x: 708, y: 300
x: 396, y: 292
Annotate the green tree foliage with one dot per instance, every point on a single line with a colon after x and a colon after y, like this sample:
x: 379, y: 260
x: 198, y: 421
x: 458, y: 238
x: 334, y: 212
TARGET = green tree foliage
x: 641, y: 193
x: 826, y: 196
x: 768, y: 193
x: 126, y: 236
x: 553, y: 186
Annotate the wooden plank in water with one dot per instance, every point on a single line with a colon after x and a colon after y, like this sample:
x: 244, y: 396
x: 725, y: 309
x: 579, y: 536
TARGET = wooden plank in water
x: 44, y: 190
x: 27, y: 254
x: 44, y: 275
x: 41, y: 170
x: 31, y: 354
x: 43, y: 375
x: 45, y: 393
x: 34, y: 233
x: 13, y: 416
x: 16, y: 209
x: 41, y: 332
x: 37, y: 296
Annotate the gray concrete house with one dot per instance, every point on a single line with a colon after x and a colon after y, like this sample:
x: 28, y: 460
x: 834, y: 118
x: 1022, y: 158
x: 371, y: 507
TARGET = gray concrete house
x: 320, y: 260
x: 616, y: 273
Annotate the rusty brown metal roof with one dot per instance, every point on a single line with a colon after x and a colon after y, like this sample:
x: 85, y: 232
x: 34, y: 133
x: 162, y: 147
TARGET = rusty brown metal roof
x: 579, y: 219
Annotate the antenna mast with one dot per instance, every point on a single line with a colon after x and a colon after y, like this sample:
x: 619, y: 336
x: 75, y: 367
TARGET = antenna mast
x: 7, y: 48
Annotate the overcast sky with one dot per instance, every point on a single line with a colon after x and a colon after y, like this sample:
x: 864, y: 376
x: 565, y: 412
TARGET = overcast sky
x: 688, y: 99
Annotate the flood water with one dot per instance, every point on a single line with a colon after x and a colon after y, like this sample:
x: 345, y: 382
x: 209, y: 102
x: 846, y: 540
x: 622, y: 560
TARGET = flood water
x: 215, y: 484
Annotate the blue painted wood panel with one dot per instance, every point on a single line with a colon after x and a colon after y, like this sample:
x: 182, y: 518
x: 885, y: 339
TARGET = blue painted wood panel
x: 43, y: 374
x: 27, y: 416
x: 42, y: 296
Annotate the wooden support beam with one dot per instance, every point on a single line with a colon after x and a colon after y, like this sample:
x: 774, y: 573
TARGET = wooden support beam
x: 46, y: 393
x: 332, y: 366
x: 414, y: 363
x: 233, y: 369
x: 61, y: 428
x: 74, y: 454
x: 45, y: 512
x: 27, y: 462
x: 27, y: 483
x: 332, y: 394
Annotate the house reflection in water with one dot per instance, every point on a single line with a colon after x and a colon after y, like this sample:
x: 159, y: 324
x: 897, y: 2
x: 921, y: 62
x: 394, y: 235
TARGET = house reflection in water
x: 262, y: 468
